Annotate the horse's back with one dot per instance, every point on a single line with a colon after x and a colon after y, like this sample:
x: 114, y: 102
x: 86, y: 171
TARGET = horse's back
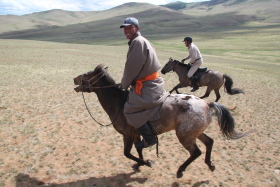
x: 212, y: 77
x: 183, y: 112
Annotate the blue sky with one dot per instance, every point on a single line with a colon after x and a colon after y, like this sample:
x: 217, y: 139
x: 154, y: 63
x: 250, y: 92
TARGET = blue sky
x: 21, y: 7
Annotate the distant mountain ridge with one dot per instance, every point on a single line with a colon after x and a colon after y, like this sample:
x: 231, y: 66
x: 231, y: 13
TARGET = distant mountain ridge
x: 159, y: 21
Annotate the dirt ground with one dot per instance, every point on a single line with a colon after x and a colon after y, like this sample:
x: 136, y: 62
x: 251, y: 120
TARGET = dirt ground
x: 47, y: 138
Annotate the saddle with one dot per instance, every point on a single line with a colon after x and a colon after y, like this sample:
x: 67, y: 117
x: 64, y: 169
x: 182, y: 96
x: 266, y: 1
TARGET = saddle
x: 203, y: 69
x: 199, y: 72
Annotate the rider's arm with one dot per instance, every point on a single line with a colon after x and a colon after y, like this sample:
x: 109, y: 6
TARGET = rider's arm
x: 135, y: 60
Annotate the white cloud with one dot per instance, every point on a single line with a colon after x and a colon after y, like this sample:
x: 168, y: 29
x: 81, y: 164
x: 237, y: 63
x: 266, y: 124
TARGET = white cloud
x: 20, y: 7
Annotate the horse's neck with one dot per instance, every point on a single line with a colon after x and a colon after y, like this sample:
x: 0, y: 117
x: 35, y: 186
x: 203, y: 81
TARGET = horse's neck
x: 110, y: 100
x: 181, y: 71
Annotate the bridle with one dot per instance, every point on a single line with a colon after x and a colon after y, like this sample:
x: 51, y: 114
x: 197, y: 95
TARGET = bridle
x: 89, y: 86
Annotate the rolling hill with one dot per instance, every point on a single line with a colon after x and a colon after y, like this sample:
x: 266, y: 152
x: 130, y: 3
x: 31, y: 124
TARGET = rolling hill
x: 155, y: 21
x: 264, y: 10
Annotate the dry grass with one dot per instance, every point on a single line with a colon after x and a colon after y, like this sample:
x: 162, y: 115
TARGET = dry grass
x: 48, y: 137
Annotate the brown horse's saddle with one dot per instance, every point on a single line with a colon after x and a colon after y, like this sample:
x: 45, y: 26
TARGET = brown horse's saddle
x: 200, y: 71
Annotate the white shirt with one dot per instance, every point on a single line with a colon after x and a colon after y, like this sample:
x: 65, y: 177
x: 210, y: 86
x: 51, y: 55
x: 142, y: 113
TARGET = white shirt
x: 194, y: 53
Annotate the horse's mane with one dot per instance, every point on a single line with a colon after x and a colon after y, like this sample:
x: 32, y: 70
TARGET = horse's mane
x: 182, y: 64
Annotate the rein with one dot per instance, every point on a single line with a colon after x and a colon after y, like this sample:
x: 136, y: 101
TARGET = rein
x: 91, y: 87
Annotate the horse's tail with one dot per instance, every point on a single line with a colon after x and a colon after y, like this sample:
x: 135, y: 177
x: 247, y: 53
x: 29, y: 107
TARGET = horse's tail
x: 228, y: 86
x: 226, y: 121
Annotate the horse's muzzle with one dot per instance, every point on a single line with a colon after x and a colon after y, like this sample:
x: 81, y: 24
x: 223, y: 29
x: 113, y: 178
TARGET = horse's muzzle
x: 78, y: 88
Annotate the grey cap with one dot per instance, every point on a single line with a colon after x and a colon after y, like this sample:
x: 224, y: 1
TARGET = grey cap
x: 130, y: 21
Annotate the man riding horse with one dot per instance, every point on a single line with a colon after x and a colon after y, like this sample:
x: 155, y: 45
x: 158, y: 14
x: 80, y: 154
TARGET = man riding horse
x: 195, y: 61
x: 141, y: 73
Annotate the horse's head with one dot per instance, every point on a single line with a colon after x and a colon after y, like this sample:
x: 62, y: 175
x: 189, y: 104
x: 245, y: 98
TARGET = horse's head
x: 88, y: 81
x: 169, y: 66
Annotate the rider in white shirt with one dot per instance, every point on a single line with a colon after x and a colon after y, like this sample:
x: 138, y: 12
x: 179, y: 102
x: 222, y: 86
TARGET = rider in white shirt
x: 195, y: 61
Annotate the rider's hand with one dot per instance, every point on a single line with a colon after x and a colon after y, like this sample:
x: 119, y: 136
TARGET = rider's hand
x: 183, y: 60
x: 120, y: 86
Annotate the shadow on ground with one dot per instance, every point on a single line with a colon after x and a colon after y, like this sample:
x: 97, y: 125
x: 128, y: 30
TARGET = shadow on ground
x: 23, y: 180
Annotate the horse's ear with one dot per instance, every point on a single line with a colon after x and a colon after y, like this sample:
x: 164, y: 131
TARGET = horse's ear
x: 106, y: 68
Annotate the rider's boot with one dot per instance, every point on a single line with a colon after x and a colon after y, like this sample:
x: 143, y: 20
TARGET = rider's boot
x: 194, y: 84
x: 149, y: 138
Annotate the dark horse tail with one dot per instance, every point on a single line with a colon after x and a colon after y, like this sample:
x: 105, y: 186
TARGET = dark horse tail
x: 228, y: 86
x: 226, y: 121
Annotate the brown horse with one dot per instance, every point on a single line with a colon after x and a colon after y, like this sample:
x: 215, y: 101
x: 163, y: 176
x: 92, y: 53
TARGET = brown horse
x: 212, y: 79
x: 188, y: 115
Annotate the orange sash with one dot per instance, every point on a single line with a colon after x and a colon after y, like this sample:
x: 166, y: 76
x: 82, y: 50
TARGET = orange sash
x: 139, y: 84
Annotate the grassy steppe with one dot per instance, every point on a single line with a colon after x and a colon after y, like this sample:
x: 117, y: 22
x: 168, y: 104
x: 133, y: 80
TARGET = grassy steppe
x: 47, y: 135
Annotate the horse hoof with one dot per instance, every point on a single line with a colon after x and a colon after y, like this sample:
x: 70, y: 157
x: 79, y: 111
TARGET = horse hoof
x: 136, y: 167
x: 179, y: 174
x: 149, y: 163
x: 212, y: 167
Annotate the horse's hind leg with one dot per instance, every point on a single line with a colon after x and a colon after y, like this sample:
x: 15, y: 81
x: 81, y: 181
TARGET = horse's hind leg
x: 194, y: 152
x: 218, y: 96
x: 208, y: 142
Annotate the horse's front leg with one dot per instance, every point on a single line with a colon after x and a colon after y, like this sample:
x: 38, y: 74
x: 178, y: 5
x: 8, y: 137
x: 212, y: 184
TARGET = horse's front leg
x: 140, y: 154
x: 128, y: 143
x: 207, y: 93
x: 176, y: 88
